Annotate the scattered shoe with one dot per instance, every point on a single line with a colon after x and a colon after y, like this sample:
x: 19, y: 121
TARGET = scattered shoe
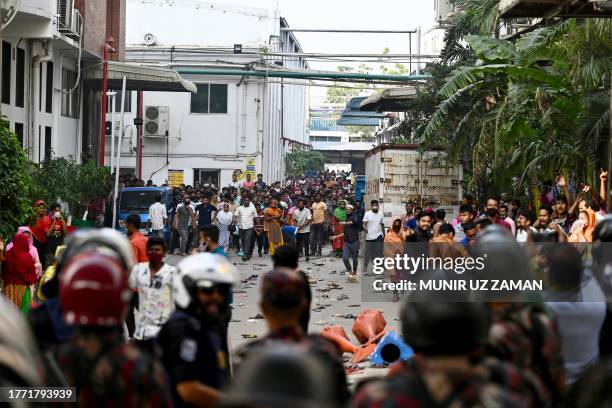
x: 239, y: 253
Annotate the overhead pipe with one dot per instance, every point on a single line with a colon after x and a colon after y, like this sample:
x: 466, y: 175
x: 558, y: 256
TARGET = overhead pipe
x: 302, y: 74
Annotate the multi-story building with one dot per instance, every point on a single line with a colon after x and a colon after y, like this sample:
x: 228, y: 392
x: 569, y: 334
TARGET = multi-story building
x: 234, y: 121
x: 45, y: 43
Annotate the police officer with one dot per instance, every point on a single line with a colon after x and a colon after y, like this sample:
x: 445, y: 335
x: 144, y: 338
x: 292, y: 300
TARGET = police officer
x: 46, y: 320
x: 94, y: 298
x: 191, y: 348
x: 523, y: 333
x: 283, y: 299
x: 20, y: 365
x: 447, y: 338
x: 602, y: 270
x: 281, y: 374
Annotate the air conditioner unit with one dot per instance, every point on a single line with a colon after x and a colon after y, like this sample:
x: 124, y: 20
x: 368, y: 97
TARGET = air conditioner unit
x: 156, y: 121
x: 64, y: 12
x: 77, y: 22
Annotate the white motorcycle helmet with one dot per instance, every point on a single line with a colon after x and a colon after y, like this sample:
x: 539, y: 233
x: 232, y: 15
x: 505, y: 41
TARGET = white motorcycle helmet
x: 202, y: 270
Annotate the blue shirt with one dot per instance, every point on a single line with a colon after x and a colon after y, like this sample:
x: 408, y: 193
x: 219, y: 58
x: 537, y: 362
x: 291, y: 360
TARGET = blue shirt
x: 220, y: 251
x: 205, y: 214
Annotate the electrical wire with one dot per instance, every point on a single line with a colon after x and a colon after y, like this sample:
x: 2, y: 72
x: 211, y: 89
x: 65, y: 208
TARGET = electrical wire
x: 78, y: 78
x: 7, y: 19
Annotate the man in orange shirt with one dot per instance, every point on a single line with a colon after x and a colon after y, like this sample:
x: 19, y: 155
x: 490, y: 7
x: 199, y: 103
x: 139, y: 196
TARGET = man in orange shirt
x: 138, y: 241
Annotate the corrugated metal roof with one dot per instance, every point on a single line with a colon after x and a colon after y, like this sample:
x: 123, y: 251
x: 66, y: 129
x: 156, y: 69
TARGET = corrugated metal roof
x: 346, y: 146
x: 355, y: 121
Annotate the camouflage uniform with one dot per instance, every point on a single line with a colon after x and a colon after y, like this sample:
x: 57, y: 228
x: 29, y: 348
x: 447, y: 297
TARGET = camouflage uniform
x: 313, y: 344
x: 121, y: 376
x: 527, y: 336
x: 594, y: 389
x: 411, y: 384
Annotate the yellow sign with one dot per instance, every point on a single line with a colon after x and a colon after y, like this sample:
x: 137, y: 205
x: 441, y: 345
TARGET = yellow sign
x: 250, y: 169
x: 176, y: 178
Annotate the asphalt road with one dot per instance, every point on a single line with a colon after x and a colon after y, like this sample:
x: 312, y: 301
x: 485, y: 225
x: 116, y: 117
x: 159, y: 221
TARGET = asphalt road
x: 329, y: 307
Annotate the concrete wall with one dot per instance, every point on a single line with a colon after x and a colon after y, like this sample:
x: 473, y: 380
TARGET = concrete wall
x: 64, y: 130
x: 214, y: 142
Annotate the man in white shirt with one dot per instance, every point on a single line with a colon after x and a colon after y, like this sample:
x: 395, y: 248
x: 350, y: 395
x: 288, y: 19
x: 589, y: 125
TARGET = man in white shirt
x: 523, y: 226
x: 153, y: 281
x: 303, y: 219
x: 373, y: 225
x: 503, y: 214
x: 157, y: 217
x: 244, y: 216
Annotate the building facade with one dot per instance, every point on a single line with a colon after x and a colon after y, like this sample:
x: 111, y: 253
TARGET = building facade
x: 234, y: 121
x: 45, y: 43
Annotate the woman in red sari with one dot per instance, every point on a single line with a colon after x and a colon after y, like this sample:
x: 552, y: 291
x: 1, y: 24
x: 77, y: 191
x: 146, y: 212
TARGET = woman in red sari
x: 338, y: 229
x: 18, y: 270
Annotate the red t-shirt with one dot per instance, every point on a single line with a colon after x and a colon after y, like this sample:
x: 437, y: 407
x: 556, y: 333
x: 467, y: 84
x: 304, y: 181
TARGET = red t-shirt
x: 40, y: 228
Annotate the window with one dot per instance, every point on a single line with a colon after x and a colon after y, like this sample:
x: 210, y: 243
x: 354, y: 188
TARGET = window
x: 127, y: 103
x: 47, y: 142
x: 206, y: 176
x: 49, y: 91
x: 199, y: 101
x: 19, y: 132
x: 211, y: 98
x: 218, y: 98
x: 70, y: 101
x: 6, y: 72
x: 20, y: 78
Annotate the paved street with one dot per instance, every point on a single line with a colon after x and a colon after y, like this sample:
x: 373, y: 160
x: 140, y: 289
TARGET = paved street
x: 322, y: 271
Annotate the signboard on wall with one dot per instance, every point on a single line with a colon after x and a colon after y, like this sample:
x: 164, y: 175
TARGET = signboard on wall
x: 250, y: 169
x: 176, y: 178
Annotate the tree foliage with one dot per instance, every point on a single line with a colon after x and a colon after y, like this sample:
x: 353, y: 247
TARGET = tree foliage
x: 525, y: 110
x: 299, y: 160
x: 64, y: 179
x: 16, y: 182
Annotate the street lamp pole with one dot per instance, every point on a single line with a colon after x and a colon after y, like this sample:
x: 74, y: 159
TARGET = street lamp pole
x: 108, y: 47
x: 116, y: 194
x: 113, y: 96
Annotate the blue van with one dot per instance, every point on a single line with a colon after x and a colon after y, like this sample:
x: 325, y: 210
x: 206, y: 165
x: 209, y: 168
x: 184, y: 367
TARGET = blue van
x: 137, y: 200
x: 360, y: 187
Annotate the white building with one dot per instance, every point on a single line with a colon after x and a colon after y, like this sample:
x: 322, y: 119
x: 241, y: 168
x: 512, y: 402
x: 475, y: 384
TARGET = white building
x: 234, y: 119
x: 40, y: 48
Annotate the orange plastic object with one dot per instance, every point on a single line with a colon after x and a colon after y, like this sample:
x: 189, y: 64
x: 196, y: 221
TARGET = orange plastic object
x: 362, y: 353
x: 369, y: 325
x: 338, y: 336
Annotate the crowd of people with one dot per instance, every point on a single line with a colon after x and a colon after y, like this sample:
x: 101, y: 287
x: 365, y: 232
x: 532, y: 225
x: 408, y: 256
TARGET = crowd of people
x: 108, y: 315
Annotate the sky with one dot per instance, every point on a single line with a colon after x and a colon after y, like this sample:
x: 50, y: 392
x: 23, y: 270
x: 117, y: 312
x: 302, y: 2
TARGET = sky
x: 356, y: 14
x: 352, y: 14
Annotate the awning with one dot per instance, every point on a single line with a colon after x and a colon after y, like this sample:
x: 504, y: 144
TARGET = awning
x: 139, y: 78
x: 554, y: 8
x: 353, y: 121
x: 352, y: 116
x: 343, y: 146
x: 389, y: 100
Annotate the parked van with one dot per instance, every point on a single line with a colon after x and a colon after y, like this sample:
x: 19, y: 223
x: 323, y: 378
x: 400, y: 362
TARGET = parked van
x: 137, y: 200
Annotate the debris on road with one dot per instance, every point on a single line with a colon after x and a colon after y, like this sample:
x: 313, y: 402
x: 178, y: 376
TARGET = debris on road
x: 257, y: 316
x: 249, y: 336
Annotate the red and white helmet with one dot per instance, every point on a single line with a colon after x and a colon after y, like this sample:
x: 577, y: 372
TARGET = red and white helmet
x: 94, y: 290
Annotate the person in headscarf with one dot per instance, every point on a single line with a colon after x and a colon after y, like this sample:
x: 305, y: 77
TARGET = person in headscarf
x: 582, y: 229
x: 31, y: 248
x: 224, y: 219
x: 272, y: 220
x: 338, y: 229
x: 19, y: 271
x: 394, y: 244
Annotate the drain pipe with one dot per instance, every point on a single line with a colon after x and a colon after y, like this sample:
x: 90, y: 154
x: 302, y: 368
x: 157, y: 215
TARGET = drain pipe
x: 36, y: 99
